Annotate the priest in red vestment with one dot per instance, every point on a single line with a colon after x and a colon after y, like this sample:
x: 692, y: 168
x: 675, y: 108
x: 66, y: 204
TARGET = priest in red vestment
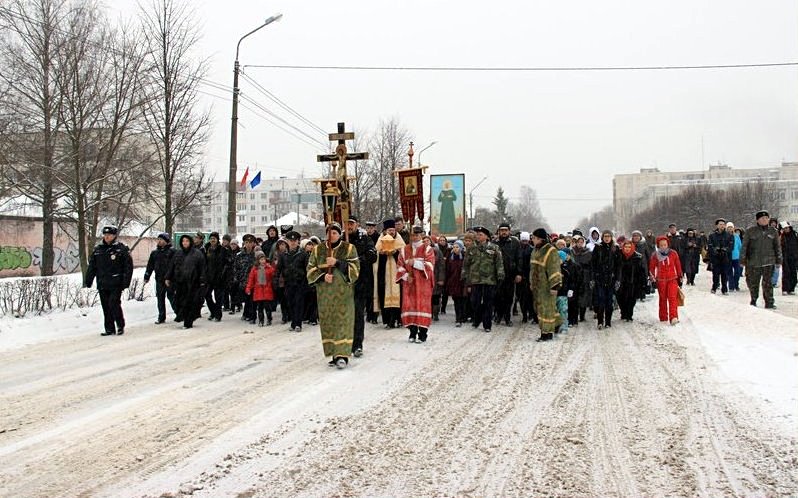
x: 416, y: 267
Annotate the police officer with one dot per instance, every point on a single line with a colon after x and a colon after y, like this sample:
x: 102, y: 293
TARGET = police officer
x: 760, y: 254
x: 292, y: 267
x: 111, y: 264
x: 160, y: 259
x: 364, y: 285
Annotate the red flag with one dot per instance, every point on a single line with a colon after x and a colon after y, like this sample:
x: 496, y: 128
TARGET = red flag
x: 243, y: 184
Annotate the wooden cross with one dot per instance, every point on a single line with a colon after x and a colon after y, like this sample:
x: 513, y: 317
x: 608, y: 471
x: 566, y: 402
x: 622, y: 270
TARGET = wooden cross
x: 341, y: 155
x: 338, y: 163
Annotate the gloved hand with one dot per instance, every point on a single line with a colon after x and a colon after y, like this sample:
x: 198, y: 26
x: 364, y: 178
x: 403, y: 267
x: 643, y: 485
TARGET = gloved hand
x: 570, y: 293
x: 617, y: 286
x: 592, y: 284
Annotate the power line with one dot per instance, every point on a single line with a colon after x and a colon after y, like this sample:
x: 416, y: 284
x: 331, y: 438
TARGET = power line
x: 277, y: 117
x: 270, y: 121
x: 523, y: 69
x: 282, y: 104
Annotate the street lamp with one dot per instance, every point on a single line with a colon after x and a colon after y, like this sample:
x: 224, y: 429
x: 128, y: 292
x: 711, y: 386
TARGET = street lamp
x: 422, y: 150
x: 233, y: 173
x: 471, y: 197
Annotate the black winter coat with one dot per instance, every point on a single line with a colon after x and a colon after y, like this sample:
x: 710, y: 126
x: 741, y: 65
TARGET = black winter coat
x: 720, y: 246
x: 242, y: 264
x: 605, y: 263
x: 526, y: 261
x: 691, y: 257
x: 789, y: 247
x: 217, y: 265
x: 160, y: 259
x: 571, y: 278
x: 632, y: 277
x: 112, y: 265
x: 583, y: 259
x: 188, y: 268
x: 367, y: 254
x: 292, y: 266
x: 511, y: 255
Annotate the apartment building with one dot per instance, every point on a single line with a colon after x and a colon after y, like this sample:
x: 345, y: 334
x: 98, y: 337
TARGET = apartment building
x: 260, y: 207
x: 636, y: 192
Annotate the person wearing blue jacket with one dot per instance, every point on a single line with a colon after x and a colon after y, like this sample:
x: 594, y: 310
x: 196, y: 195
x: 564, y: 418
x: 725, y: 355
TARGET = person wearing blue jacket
x: 735, y: 270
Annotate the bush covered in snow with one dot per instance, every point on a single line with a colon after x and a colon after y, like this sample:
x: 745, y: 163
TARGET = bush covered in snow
x: 38, y: 295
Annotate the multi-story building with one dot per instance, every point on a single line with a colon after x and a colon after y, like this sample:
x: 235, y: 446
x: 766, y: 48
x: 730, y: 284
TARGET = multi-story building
x: 262, y: 206
x: 637, y: 192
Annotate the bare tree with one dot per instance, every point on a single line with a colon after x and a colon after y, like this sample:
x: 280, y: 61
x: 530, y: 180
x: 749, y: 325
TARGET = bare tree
x: 526, y: 211
x: 697, y: 206
x: 603, y: 218
x: 101, y: 100
x: 388, y: 151
x: 175, y: 122
x: 29, y: 57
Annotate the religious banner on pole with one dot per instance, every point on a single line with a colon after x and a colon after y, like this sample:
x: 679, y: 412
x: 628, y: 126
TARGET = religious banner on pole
x: 411, y: 193
x: 447, y: 205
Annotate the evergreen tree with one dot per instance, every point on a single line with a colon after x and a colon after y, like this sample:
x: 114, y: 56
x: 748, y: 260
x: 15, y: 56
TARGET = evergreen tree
x: 501, y: 202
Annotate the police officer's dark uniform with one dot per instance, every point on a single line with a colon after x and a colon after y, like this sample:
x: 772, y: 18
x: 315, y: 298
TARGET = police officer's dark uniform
x: 111, y: 264
x: 364, y: 285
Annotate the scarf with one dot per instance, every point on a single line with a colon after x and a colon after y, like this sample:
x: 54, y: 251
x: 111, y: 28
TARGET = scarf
x: 662, y: 254
x: 261, y: 275
x: 628, y: 254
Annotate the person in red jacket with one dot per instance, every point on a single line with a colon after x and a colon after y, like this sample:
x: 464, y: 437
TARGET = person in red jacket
x: 259, y: 286
x: 666, y: 270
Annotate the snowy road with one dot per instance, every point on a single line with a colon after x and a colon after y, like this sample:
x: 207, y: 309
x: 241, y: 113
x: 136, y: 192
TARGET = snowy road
x: 707, y: 408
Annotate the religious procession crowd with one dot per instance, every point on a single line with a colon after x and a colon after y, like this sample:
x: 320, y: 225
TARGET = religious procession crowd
x: 404, y: 278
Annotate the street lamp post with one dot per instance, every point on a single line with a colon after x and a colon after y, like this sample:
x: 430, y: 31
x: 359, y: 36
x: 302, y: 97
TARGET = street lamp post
x: 422, y: 150
x: 471, y: 197
x: 233, y: 173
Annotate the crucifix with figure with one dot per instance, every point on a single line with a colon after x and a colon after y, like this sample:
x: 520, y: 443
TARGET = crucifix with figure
x: 338, y: 164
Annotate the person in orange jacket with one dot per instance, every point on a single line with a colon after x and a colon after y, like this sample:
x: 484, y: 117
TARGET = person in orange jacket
x: 259, y: 286
x: 666, y: 270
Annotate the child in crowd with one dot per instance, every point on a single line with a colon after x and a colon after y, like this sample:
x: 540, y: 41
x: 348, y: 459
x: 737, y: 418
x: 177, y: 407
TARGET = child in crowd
x: 259, y: 286
x: 666, y: 270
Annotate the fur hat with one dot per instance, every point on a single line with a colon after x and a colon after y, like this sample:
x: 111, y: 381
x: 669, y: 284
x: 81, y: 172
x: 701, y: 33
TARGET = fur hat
x: 214, y: 234
x: 524, y: 236
x: 389, y: 223
x: 165, y: 236
x: 762, y: 213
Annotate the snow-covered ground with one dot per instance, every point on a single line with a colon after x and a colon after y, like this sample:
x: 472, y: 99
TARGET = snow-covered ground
x: 706, y: 408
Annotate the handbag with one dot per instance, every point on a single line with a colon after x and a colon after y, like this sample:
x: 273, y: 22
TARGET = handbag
x: 680, y: 298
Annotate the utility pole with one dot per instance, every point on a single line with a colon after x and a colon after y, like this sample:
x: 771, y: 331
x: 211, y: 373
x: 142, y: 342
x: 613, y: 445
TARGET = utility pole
x: 233, y: 170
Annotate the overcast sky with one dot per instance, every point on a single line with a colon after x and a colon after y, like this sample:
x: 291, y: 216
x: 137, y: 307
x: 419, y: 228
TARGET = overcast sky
x: 563, y: 133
